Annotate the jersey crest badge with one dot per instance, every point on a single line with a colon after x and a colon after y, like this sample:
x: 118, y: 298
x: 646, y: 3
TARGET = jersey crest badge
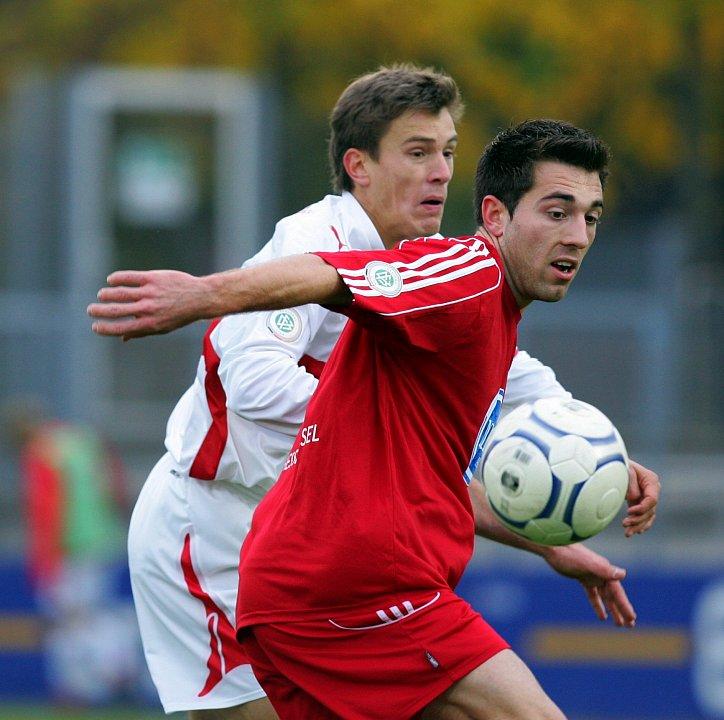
x: 384, y: 278
x: 285, y: 324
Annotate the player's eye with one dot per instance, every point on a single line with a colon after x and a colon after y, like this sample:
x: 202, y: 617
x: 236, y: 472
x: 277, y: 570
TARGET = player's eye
x: 557, y: 214
x: 593, y: 219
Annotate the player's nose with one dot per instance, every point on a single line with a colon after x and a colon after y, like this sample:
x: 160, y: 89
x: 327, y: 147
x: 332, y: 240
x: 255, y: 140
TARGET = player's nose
x: 441, y: 169
x: 579, y: 233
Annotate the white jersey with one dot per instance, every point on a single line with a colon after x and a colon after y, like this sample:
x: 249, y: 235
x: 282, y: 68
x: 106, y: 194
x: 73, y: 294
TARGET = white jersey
x: 227, y: 440
x: 239, y: 418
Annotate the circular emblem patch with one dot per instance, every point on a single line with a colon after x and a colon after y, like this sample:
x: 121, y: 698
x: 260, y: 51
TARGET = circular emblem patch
x: 285, y: 324
x: 384, y: 278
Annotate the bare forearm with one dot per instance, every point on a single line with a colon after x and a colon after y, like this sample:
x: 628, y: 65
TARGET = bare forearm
x: 285, y: 282
x: 150, y: 302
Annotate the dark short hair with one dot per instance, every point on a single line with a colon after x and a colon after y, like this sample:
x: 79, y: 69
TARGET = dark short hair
x: 506, y: 167
x: 370, y: 103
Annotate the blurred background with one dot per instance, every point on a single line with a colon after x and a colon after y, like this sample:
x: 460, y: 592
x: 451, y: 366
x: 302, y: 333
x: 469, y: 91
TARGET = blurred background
x: 173, y: 133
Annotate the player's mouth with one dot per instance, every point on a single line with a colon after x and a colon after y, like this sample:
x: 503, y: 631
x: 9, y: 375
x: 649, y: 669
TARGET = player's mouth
x: 564, y: 269
x: 433, y: 204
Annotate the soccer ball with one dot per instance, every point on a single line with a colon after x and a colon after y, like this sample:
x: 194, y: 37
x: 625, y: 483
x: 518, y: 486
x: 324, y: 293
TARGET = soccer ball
x: 556, y: 471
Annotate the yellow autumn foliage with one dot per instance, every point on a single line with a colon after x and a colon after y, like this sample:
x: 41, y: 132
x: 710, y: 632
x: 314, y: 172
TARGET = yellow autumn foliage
x: 628, y: 69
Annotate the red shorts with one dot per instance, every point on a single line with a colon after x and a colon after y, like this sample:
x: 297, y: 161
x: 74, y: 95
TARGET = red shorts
x: 381, y: 663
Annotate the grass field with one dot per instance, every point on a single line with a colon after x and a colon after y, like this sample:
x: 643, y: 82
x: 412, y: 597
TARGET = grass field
x: 40, y: 712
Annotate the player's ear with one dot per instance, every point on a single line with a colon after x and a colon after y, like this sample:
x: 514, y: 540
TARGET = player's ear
x: 495, y: 215
x: 355, y: 164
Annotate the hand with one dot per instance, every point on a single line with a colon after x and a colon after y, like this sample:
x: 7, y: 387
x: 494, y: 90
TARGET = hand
x: 600, y: 579
x: 149, y: 302
x: 642, y: 498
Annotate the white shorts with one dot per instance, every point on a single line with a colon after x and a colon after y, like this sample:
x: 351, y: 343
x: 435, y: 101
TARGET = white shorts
x: 183, y: 550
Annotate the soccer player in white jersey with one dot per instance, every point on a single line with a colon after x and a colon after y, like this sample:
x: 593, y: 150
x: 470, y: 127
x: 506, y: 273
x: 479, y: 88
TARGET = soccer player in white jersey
x: 391, y: 149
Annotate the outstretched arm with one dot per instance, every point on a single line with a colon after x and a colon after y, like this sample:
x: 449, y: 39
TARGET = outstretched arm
x: 152, y: 302
x: 600, y: 579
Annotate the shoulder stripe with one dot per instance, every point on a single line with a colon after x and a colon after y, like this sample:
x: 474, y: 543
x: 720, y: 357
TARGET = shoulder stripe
x: 417, y: 283
x: 449, y: 302
x: 460, y: 272
x: 409, y: 275
x: 454, y: 249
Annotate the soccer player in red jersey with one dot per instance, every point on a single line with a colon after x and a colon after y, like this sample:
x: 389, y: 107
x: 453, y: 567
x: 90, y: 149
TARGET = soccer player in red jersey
x: 347, y: 604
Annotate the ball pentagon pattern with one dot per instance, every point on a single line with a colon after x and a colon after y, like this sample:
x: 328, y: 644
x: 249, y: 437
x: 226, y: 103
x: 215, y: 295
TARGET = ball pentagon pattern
x: 556, y: 471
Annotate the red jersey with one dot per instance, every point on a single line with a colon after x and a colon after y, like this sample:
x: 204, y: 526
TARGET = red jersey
x: 372, y: 504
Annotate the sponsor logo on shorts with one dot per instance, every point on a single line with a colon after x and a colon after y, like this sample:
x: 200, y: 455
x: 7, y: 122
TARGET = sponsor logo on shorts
x: 390, y: 615
x: 285, y: 324
x: 384, y: 278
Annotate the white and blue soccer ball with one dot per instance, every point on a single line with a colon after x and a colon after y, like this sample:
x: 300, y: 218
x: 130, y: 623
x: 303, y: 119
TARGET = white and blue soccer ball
x: 556, y: 471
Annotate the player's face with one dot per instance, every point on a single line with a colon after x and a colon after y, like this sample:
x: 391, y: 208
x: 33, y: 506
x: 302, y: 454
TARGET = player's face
x: 407, y: 182
x: 550, y: 232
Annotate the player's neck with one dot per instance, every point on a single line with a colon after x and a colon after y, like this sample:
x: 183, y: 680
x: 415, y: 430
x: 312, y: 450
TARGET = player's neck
x: 521, y: 301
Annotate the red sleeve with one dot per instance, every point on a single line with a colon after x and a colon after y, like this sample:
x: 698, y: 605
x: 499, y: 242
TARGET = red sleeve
x: 440, y: 277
